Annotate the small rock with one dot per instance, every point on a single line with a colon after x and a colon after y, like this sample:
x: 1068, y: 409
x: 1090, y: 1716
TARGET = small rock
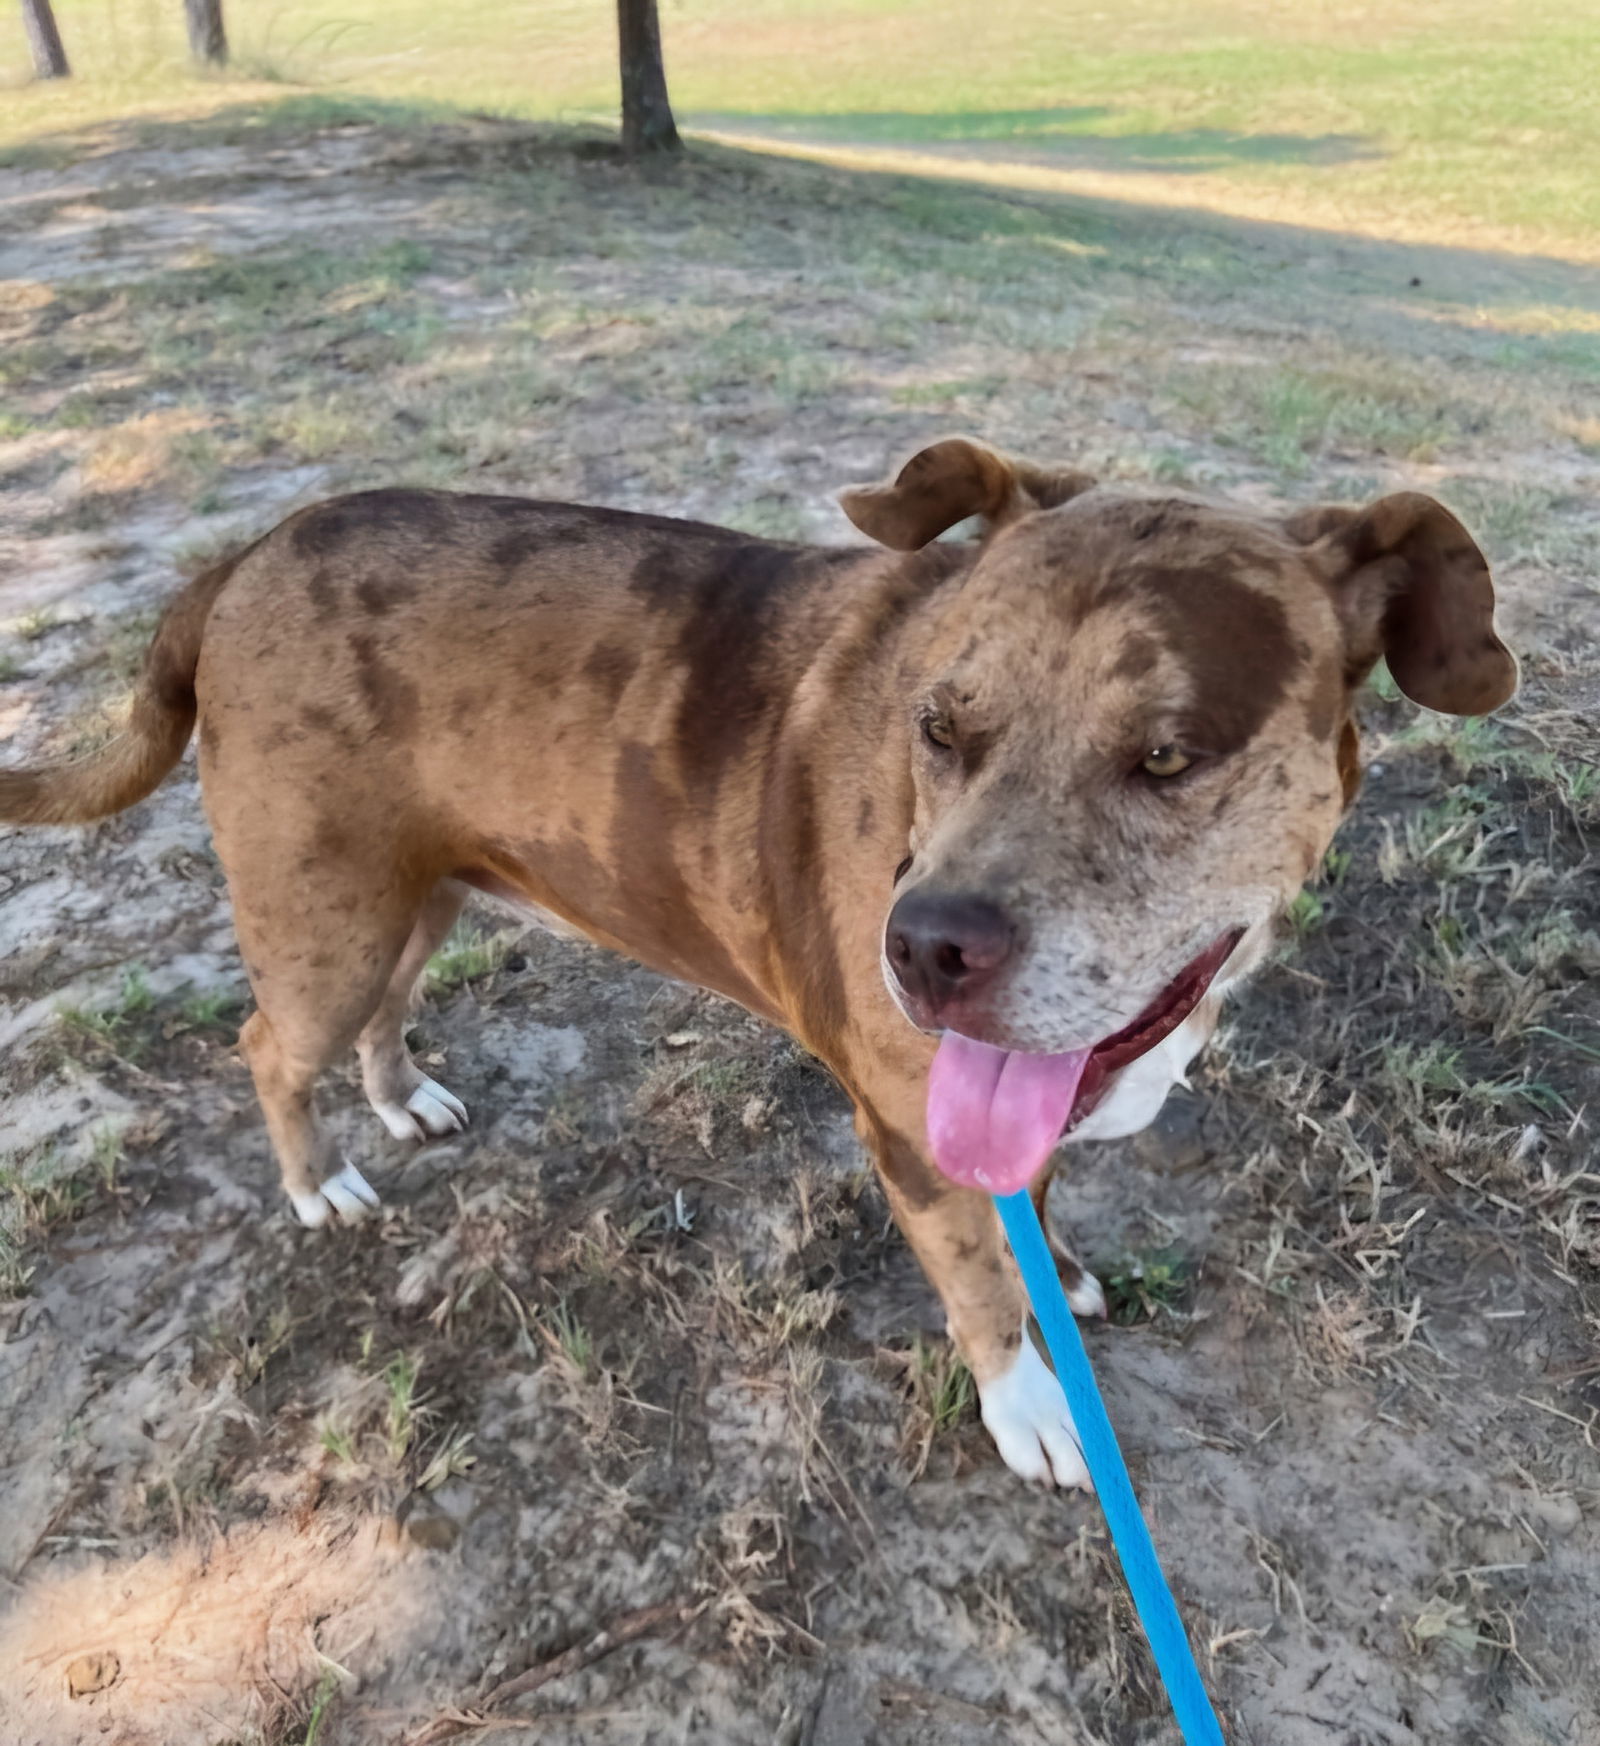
x: 1558, y: 1513
x: 432, y: 1530
x: 92, y: 1673
x: 1175, y: 1140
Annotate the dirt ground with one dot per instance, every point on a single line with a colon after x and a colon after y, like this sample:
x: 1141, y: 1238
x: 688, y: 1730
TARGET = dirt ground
x: 644, y: 1337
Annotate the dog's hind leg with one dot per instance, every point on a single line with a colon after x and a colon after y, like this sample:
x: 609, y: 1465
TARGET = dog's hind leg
x: 319, y: 951
x: 410, y: 1104
x: 285, y: 1062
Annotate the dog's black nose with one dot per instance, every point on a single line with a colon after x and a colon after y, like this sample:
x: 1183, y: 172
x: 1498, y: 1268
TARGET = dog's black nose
x: 944, y: 948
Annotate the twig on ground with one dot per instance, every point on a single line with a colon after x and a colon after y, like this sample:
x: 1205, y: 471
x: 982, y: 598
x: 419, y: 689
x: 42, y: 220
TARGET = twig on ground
x: 642, y: 1622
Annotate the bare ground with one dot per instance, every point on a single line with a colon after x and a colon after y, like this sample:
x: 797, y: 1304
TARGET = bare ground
x: 644, y: 1338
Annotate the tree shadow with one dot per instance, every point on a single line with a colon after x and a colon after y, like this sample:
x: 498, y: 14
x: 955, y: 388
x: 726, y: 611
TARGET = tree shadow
x: 1513, y: 309
x: 1062, y: 139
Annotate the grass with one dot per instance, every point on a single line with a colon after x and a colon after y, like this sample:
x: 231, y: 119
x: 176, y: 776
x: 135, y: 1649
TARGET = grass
x: 1147, y: 1284
x: 1306, y: 911
x: 1440, y: 120
x: 56, y: 1186
x: 1290, y: 417
x: 570, y: 1340
x: 113, y: 1023
x: 402, y: 1405
x: 210, y: 1009
x: 375, y: 1427
x: 1453, y: 1099
x: 451, y: 1459
x: 940, y: 1396
x: 469, y: 954
x: 31, y: 626
x: 358, y: 362
x: 767, y: 1315
x: 35, y: 1199
x: 249, y: 1347
x: 105, y: 1153
x: 135, y: 1018
x: 339, y: 1442
x: 322, y: 1701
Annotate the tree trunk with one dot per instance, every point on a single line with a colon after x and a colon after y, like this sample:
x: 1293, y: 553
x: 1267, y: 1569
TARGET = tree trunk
x: 647, y: 124
x: 208, y: 41
x: 49, y: 57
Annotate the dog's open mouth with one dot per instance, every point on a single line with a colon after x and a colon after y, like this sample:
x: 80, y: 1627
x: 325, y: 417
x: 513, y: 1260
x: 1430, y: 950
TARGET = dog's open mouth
x: 995, y: 1115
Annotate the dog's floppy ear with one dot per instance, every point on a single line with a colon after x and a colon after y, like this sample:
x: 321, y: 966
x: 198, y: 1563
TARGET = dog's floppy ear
x: 946, y: 483
x: 1412, y: 586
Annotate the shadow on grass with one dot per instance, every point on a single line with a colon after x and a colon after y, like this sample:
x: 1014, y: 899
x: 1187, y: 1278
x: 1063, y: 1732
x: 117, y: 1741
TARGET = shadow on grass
x: 1431, y: 300
x: 277, y: 119
x: 1062, y: 139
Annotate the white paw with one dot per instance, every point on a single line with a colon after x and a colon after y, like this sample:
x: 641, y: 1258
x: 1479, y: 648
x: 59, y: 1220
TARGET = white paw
x: 1028, y: 1417
x: 347, y: 1196
x: 429, y: 1112
x: 1088, y: 1297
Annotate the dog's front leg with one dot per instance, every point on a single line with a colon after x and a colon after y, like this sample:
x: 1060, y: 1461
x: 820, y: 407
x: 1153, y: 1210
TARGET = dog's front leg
x: 955, y: 1234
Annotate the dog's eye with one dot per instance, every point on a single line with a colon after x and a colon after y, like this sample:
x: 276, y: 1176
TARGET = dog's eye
x: 939, y: 730
x: 1165, y: 761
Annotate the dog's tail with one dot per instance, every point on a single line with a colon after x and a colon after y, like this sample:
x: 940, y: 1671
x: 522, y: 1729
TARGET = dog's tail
x: 159, y: 724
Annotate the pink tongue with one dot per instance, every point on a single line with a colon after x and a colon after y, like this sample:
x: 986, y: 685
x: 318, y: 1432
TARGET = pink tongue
x: 994, y: 1116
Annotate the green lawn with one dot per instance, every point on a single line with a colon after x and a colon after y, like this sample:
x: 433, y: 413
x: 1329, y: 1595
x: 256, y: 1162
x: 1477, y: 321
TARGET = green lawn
x: 1464, y: 121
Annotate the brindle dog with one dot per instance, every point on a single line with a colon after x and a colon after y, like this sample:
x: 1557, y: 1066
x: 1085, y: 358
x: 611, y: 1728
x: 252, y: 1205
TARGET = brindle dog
x: 1042, y: 794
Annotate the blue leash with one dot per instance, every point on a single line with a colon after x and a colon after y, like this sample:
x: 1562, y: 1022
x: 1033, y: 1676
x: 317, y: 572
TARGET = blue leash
x: 1152, y: 1599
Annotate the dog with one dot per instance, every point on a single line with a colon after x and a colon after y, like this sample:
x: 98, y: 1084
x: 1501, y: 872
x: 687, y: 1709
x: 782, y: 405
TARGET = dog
x: 989, y: 825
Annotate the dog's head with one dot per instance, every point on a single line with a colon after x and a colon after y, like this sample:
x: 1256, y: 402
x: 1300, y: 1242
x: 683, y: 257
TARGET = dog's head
x: 1130, y: 732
